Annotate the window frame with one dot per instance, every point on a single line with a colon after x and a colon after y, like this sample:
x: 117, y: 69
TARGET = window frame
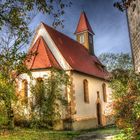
x: 86, y: 91
x: 25, y: 91
x: 82, y: 38
x: 104, y: 92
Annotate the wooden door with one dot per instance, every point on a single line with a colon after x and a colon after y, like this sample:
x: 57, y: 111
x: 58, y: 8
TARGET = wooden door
x: 99, y: 114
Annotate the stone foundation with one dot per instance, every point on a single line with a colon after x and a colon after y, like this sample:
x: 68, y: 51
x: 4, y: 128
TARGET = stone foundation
x: 85, y: 124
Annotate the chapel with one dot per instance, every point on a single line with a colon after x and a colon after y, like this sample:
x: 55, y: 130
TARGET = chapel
x: 89, y: 93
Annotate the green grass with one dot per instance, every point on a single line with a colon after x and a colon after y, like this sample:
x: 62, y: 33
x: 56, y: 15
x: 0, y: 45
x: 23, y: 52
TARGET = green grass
x: 31, y: 134
x: 40, y: 134
x: 104, y: 130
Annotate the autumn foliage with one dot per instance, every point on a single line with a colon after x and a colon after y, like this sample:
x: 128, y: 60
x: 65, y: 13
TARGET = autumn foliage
x: 126, y: 95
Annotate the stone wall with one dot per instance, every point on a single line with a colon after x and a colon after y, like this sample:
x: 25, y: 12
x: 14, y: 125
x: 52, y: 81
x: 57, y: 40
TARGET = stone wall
x: 134, y: 26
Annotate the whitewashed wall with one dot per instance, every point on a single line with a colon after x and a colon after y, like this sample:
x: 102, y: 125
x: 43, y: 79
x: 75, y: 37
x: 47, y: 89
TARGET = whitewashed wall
x: 31, y: 79
x: 88, y: 110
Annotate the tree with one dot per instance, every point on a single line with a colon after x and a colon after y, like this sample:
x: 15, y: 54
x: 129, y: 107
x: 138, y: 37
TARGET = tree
x: 125, y: 86
x: 15, y: 15
x: 125, y: 4
x: 49, y: 97
x: 116, y: 61
x: 11, y: 65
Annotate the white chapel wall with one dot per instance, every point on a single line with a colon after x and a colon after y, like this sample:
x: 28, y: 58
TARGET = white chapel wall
x: 31, y: 79
x: 88, y: 110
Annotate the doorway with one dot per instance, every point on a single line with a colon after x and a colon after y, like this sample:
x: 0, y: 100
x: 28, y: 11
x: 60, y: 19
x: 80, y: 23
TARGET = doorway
x: 99, y: 114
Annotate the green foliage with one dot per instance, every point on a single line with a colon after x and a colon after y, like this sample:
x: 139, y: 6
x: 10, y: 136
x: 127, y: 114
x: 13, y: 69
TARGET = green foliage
x: 125, y: 4
x: 15, y: 15
x: 116, y: 61
x: 125, y: 84
x: 37, y: 134
x: 11, y: 65
x: 49, y: 99
x: 126, y: 102
x: 3, y: 119
x: 6, y: 96
x: 18, y: 13
x: 43, y: 134
x: 123, y: 136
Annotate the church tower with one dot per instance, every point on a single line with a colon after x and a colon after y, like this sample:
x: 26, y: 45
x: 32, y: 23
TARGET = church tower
x: 84, y: 33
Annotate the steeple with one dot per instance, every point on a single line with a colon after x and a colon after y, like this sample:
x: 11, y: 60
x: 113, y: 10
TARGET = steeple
x: 83, y: 24
x: 84, y: 33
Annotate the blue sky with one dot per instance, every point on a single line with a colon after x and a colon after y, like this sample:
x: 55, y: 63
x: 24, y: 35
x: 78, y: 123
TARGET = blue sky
x: 108, y: 23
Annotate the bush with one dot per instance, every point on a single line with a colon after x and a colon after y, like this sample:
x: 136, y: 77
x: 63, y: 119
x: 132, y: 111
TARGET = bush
x: 22, y: 123
x: 126, y: 94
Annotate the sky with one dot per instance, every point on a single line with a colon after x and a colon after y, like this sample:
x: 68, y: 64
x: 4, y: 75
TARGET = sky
x: 108, y: 23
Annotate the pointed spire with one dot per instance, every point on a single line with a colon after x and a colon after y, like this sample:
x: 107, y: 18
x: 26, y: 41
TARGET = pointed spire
x: 83, y: 24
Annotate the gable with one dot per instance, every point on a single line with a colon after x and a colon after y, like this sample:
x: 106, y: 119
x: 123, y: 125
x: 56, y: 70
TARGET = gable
x: 41, y: 56
x: 41, y: 31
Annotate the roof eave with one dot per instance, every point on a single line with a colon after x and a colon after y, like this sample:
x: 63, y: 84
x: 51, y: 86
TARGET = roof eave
x: 79, y: 32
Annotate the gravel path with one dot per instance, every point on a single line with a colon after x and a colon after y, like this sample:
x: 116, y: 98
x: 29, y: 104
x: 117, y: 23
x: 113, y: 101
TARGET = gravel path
x: 94, y: 136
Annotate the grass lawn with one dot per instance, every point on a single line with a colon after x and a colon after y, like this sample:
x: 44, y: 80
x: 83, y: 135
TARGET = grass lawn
x: 112, y: 130
x: 36, y: 134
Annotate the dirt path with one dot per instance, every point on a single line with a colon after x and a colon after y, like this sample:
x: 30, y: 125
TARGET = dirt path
x: 94, y: 136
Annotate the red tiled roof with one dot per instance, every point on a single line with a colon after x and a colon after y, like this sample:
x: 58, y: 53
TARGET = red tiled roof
x: 97, y: 60
x: 83, y: 24
x: 40, y: 56
x: 76, y: 54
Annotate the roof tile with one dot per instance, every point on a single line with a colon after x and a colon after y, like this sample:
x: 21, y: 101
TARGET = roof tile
x: 40, y: 56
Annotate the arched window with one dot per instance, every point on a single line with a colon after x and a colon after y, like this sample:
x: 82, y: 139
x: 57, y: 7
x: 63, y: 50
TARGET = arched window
x: 98, y: 94
x: 104, y: 92
x: 39, y: 80
x: 24, y: 88
x: 82, y: 39
x: 39, y: 91
x: 24, y: 91
x: 39, y: 83
x: 86, y: 94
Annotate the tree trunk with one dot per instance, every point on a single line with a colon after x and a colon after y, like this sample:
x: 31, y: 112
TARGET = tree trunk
x: 10, y: 115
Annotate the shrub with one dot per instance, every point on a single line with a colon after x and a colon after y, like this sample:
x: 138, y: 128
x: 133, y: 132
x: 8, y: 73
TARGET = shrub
x: 126, y: 94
